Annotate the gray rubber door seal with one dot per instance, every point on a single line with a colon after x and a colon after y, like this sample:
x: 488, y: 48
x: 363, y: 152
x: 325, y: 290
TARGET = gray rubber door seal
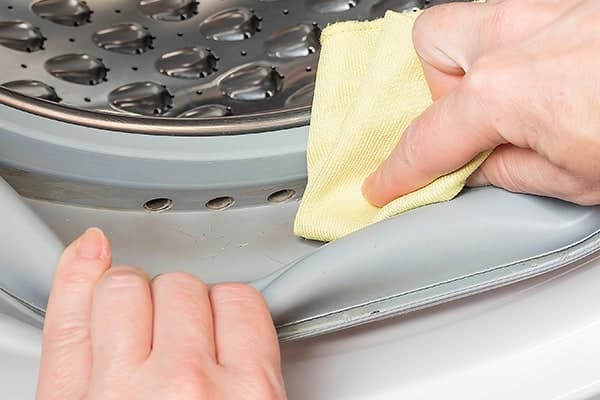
x: 425, y: 257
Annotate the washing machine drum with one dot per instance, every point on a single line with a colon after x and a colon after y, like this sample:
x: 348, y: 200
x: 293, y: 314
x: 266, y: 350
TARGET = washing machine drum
x: 179, y: 105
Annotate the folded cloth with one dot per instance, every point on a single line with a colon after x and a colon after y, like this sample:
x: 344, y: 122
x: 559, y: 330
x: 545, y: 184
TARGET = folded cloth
x: 370, y: 86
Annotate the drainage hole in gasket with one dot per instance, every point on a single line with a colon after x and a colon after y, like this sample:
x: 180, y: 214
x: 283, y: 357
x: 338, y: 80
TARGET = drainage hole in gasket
x: 220, y: 203
x: 281, y: 195
x: 158, y: 205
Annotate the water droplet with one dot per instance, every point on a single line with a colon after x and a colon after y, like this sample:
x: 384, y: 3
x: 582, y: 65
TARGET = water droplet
x: 188, y: 63
x: 77, y: 68
x: 33, y: 89
x: 168, y: 10
x: 251, y: 82
x: 380, y: 7
x: 331, y: 6
x: 63, y: 12
x: 295, y: 41
x: 144, y: 98
x: 301, y: 97
x: 21, y: 35
x: 231, y: 24
x: 124, y: 38
x: 207, y: 111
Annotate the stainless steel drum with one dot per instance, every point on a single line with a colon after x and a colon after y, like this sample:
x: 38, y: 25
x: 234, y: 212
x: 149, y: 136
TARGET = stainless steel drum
x: 175, y: 58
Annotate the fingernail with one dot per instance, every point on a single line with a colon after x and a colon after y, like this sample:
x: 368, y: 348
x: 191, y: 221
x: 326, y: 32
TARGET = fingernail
x: 92, y: 244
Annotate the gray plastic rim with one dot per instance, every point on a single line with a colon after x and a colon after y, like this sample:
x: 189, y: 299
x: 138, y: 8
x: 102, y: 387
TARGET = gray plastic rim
x: 46, y: 159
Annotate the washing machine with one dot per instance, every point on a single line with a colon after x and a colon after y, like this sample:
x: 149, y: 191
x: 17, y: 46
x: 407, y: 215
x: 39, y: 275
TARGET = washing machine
x: 180, y: 127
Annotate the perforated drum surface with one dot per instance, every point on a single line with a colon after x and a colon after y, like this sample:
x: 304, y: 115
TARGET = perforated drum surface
x: 173, y: 58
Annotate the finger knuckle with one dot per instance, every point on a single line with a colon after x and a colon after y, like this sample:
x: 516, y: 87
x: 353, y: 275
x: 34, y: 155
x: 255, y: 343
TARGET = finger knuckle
x: 580, y: 191
x: 491, y: 82
x: 183, y: 290
x: 406, y: 155
x: 266, y: 385
x: 76, y: 277
x: 235, y: 293
x: 477, y: 81
x: 70, y: 331
x: 124, y: 277
x: 180, y: 388
x: 499, y: 170
x: 189, y: 371
x: 501, y: 17
x: 410, y: 154
x: 180, y: 280
x: 189, y: 377
x: 584, y: 146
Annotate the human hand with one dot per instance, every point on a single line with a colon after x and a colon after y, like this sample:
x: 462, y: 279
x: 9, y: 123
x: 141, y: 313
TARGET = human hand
x: 111, y: 334
x: 518, y: 76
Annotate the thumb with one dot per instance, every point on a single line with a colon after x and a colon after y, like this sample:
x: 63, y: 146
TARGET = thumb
x: 449, y: 38
x: 445, y: 40
x: 525, y: 171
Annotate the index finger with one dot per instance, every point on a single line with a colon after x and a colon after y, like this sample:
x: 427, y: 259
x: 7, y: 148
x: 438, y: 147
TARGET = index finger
x: 449, y: 134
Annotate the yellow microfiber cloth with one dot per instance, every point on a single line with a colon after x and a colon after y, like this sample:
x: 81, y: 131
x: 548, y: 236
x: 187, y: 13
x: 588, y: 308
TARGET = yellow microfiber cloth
x: 370, y: 86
